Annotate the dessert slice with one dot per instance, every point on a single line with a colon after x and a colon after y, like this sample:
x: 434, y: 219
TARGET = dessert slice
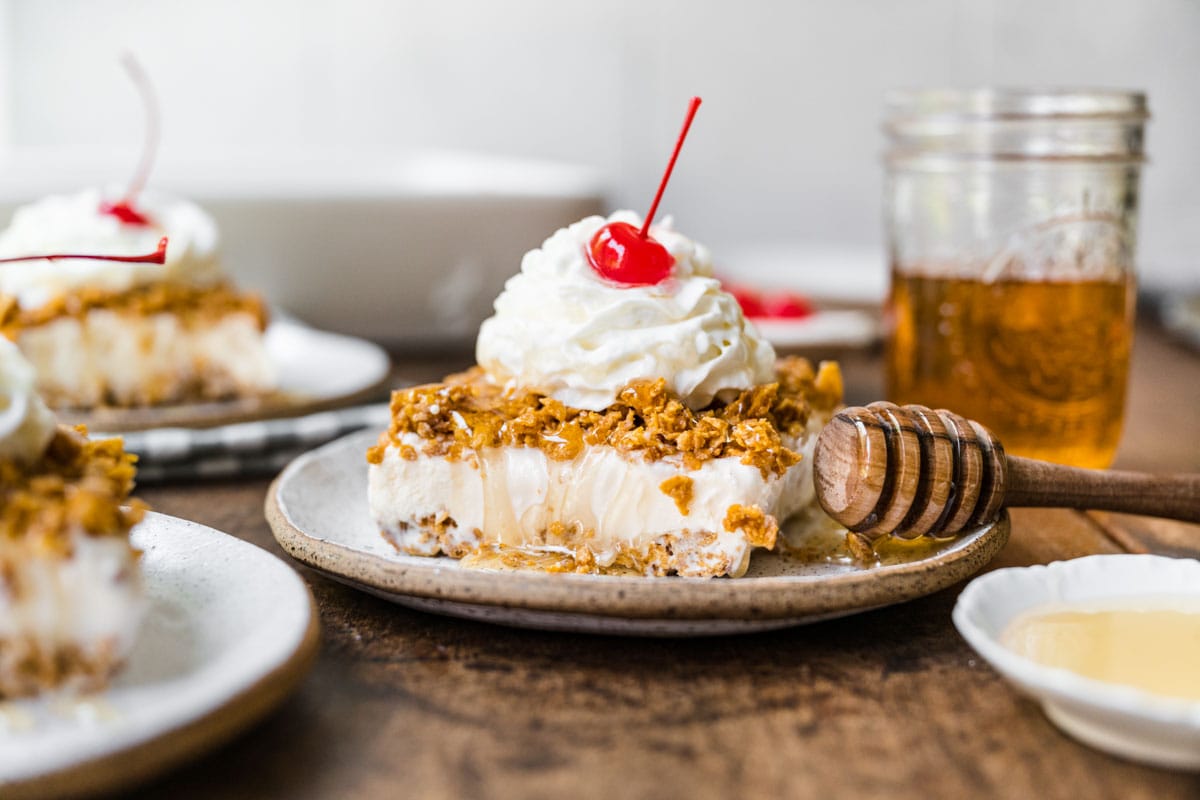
x: 128, y: 333
x: 645, y: 484
x: 624, y: 417
x: 70, y: 587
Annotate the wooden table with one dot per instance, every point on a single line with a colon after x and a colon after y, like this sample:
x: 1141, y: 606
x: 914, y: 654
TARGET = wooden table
x: 405, y: 704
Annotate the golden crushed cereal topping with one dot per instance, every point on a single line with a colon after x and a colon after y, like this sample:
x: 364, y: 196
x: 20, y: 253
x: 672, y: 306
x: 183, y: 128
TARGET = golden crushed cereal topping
x: 205, y: 302
x: 77, y: 485
x: 679, y: 488
x: 760, y: 528
x: 434, y: 528
x: 659, y: 558
x: 468, y: 413
x: 29, y: 664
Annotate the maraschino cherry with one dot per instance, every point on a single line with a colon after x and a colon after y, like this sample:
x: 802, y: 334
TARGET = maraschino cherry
x: 622, y: 253
x: 124, y: 208
x: 159, y: 256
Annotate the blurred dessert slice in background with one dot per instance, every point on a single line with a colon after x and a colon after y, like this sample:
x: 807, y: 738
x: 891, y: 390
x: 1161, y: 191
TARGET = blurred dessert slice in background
x: 71, y: 596
x: 102, y: 332
x: 130, y: 330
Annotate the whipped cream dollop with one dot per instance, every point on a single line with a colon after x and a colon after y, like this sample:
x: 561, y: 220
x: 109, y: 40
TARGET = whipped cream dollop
x: 75, y: 224
x: 563, y: 329
x: 26, y: 425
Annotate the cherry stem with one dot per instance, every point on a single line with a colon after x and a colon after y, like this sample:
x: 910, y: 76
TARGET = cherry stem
x: 693, y: 105
x: 145, y: 89
x: 159, y: 256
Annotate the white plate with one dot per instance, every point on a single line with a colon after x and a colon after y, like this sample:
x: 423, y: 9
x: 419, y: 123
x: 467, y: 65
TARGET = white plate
x: 317, y: 509
x: 317, y: 370
x: 320, y: 365
x: 826, y: 272
x: 822, y: 330
x: 1181, y: 315
x: 230, y: 632
x: 1118, y: 719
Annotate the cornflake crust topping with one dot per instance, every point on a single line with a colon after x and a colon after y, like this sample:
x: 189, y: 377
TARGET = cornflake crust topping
x: 651, y: 559
x: 28, y: 666
x: 680, y: 489
x: 201, y: 302
x: 468, y: 413
x: 761, y: 529
x: 77, y: 486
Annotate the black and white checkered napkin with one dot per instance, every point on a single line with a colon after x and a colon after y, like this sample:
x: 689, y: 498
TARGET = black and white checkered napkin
x: 247, y: 448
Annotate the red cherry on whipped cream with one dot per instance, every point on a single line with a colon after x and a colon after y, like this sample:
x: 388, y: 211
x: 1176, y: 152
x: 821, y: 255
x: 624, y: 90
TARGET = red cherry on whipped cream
x: 124, y: 209
x: 623, y: 254
x: 159, y: 256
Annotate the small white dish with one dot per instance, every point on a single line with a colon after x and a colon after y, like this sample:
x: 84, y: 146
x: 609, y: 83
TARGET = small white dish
x: 1120, y: 720
x: 230, y: 632
x: 317, y: 370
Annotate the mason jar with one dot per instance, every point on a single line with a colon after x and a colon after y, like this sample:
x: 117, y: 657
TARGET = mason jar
x: 1011, y: 220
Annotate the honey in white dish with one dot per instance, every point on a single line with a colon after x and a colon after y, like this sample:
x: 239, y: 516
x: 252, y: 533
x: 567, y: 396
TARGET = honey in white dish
x: 1156, y: 650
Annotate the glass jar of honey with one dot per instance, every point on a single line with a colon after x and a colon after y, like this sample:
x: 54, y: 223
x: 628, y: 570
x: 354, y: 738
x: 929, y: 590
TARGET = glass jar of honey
x: 1011, y: 220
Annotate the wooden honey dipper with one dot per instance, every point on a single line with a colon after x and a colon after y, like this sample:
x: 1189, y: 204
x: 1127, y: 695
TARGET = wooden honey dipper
x: 910, y: 471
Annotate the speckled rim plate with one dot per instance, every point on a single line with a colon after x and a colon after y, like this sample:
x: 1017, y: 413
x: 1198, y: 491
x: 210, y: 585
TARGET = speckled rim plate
x: 230, y: 633
x: 317, y: 508
x: 318, y: 370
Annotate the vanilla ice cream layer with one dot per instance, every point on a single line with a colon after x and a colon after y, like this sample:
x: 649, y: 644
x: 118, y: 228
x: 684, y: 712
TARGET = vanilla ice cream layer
x: 514, y: 494
x: 562, y: 329
x: 74, y: 224
x: 108, y: 357
x: 90, y: 601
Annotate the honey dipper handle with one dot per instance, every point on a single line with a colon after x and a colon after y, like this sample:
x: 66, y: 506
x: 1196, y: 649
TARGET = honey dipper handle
x: 1039, y: 483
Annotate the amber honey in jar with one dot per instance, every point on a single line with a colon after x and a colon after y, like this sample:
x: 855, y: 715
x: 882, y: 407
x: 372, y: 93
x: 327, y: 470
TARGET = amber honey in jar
x: 1011, y: 224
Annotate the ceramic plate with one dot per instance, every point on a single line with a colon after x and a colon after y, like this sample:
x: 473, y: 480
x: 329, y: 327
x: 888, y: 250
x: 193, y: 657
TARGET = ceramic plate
x: 317, y: 370
x: 1181, y: 316
x: 230, y: 632
x: 823, y: 330
x: 317, y: 508
x: 1118, y: 719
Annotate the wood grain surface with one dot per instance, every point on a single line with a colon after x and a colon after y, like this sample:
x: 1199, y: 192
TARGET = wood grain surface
x: 892, y: 702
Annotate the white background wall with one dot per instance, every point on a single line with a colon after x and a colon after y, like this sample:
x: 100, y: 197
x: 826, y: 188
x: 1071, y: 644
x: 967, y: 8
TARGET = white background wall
x: 786, y: 147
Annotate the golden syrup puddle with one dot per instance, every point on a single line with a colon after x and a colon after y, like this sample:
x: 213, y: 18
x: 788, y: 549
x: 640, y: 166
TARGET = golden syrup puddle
x: 514, y: 558
x: 507, y: 558
x: 814, y: 538
x: 891, y: 550
x: 1156, y: 650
